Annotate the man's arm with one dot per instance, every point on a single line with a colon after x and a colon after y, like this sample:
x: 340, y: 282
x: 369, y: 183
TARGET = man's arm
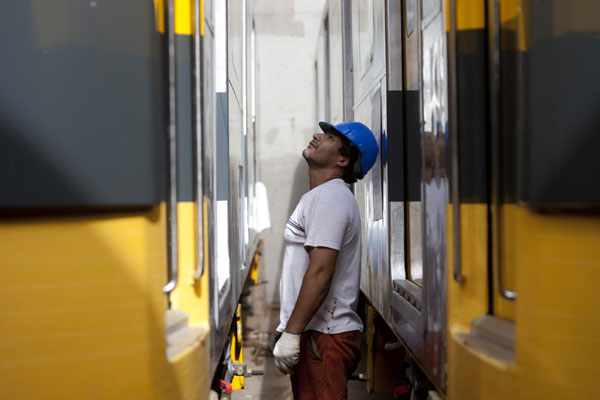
x: 315, y: 287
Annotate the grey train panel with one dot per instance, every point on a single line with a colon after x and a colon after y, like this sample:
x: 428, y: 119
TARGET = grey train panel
x: 222, y: 145
x: 185, y: 164
x: 560, y: 162
x: 82, y: 110
x: 548, y: 110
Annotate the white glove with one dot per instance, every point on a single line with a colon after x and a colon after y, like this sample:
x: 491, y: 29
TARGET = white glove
x: 287, y: 352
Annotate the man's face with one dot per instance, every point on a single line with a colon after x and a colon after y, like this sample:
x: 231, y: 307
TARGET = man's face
x: 323, y: 150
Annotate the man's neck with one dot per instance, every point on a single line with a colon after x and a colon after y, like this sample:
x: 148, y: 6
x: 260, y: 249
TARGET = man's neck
x: 317, y: 177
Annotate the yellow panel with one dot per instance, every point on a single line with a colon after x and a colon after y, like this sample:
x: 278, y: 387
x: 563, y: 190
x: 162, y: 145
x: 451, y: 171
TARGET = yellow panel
x: 473, y: 375
x: 83, y: 310
x: 191, y: 294
x: 159, y: 13
x: 468, y: 300
x: 556, y: 262
x: 558, y: 310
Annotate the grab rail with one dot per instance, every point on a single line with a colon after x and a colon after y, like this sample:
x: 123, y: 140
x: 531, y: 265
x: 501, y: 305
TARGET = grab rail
x: 172, y: 241
x: 494, y: 79
x: 198, y: 126
x: 453, y: 117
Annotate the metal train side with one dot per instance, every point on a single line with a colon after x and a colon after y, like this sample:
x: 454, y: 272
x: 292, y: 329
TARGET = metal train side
x: 479, y: 192
x: 128, y: 206
x: 395, y: 94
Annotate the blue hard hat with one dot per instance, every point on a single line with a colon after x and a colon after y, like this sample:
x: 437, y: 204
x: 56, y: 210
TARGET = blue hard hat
x: 361, y: 137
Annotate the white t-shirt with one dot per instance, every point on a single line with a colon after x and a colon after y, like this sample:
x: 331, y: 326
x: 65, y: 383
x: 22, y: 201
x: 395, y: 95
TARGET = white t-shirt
x: 327, y: 216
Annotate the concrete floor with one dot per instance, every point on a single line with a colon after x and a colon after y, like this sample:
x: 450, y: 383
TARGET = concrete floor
x: 259, y: 323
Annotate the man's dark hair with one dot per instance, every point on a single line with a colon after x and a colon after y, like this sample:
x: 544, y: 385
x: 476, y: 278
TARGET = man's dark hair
x: 351, y: 152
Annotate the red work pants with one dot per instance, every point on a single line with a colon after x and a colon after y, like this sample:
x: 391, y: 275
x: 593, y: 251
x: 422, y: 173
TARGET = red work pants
x: 326, y: 362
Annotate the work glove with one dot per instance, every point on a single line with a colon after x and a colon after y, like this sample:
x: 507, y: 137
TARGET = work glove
x: 287, y: 352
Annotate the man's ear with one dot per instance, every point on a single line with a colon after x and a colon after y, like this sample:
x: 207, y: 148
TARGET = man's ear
x: 343, y: 161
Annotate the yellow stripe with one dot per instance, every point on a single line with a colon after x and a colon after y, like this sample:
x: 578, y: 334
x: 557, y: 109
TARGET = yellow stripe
x: 470, y: 14
x: 512, y: 18
x: 184, y: 16
x: 202, y: 17
x: 159, y: 15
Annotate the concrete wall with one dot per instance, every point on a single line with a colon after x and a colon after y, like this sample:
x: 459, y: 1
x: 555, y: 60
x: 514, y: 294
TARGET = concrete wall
x: 286, y: 41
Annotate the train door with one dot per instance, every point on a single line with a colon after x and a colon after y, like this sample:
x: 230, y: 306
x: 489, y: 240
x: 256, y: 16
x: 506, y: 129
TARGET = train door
x: 221, y: 286
x: 369, y: 82
x: 418, y: 180
x: 236, y: 70
x: 531, y: 64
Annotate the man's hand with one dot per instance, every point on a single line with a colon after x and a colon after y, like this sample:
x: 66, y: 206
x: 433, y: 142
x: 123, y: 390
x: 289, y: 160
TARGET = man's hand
x: 287, y: 352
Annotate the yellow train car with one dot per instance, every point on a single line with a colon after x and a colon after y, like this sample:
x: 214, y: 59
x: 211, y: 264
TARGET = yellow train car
x: 128, y: 207
x: 481, y: 228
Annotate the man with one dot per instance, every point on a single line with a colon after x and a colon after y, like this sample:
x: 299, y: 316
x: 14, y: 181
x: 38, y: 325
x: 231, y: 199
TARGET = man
x: 321, y: 331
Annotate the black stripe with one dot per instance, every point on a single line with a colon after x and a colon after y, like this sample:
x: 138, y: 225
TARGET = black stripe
x: 412, y: 145
x: 395, y: 145
x: 471, y: 108
x: 294, y: 224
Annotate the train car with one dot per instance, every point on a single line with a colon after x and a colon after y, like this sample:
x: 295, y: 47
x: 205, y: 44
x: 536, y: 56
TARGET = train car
x: 481, y: 224
x: 129, y: 196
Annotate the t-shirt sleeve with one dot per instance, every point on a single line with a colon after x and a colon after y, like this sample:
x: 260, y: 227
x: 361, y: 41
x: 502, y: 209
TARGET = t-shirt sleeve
x: 325, y: 225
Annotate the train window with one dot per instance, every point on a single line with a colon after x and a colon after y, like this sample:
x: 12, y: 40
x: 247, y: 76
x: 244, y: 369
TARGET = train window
x: 433, y: 141
x: 407, y: 260
x: 413, y: 157
x: 414, y: 267
x: 425, y: 186
x: 395, y: 140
